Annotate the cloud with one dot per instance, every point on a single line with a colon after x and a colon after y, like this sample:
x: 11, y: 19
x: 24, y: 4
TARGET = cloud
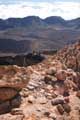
x: 67, y: 10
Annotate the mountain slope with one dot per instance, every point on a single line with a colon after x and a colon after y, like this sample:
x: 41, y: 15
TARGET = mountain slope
x: 19, y: 35
x: 35, y: 21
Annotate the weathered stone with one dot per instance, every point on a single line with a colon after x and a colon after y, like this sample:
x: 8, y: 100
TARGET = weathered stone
x: 11, y: 117
x: 14, y: 80
x: 53, y: 116
x: 61, y: 75
x: 47, y: 114
x: 7, y: 93
x: 66, y: 99
x: 67, y: 108
x: 5, y: 107
x: 31, y: 99
x: 15, y: 102
x: 57, y: 101
x: 51, y: 71
x: 60, y: 109
x: 78, y: 94
x: 16, y: 111
x: 50, y: 79
x: 42, y: 100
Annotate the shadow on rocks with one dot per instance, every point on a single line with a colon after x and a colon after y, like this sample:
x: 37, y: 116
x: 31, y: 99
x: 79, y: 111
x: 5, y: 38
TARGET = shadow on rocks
x: 8, y: 105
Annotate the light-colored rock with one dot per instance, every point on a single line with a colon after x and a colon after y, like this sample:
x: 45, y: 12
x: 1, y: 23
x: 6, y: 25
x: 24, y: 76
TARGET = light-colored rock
x: 42, y: 100
x: 51, y: 71
x: 16, y: 111
x: 31, y: 99
x: 13, y: 80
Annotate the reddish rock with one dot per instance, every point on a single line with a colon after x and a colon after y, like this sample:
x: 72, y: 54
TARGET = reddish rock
x: 4, y: 107
x: 78, y: 94
x: 61, y: 75
x: 7, y: 93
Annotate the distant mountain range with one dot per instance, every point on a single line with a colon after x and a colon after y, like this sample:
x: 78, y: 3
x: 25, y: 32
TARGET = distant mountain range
x: 36, y: 21
x: 21, y: 35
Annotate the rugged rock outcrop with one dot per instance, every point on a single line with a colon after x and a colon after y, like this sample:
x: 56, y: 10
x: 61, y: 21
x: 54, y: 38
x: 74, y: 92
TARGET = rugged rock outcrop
x: 53, y: 92
x: 70, y: 56
x: 12, y: 80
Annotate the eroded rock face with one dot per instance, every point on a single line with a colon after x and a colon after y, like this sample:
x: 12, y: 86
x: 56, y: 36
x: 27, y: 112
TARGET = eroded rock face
x: 12, y: 80
x: 7, y: 93
x: 13, y: 77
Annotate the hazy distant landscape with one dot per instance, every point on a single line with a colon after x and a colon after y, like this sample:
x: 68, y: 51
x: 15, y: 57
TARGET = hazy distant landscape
x: 22, y: 35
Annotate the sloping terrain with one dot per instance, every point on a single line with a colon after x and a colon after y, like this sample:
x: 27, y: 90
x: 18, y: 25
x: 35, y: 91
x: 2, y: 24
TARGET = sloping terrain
x: 53, y: 91
x: 19, y: 35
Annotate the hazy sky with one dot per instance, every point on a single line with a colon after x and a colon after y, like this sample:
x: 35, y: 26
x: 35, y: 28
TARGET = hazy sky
x: 68, y: 9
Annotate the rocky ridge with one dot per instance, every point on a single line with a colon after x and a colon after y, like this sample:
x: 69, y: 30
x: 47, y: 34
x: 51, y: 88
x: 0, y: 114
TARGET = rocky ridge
x: 53, y: 92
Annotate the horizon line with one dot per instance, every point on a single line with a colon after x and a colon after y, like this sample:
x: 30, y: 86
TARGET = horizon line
x: 38, y: 17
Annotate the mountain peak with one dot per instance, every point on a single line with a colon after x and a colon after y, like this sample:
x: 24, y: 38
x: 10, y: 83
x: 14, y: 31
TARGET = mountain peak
x: 55, y: 20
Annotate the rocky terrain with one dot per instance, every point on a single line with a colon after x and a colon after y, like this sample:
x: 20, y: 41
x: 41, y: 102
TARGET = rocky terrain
x: 49, y: 90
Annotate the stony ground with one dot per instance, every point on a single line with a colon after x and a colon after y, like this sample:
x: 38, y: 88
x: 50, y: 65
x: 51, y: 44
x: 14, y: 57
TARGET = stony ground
x: 53, y: 91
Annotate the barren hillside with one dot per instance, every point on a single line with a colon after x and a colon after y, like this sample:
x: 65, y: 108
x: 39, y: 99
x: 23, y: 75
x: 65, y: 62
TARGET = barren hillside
x: 53, y: 90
